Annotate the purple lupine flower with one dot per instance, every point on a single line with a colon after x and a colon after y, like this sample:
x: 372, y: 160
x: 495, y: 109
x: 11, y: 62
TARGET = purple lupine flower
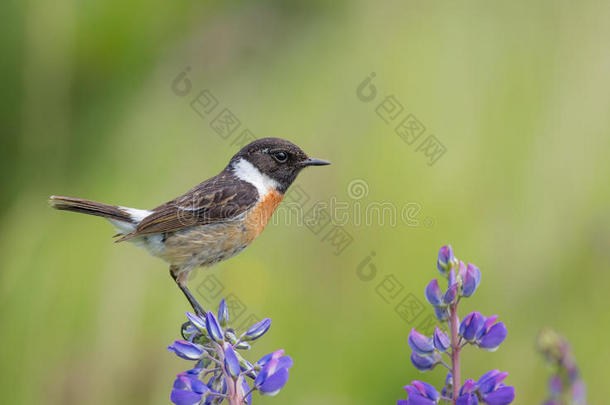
x: 441, y: 340
x: 231, y: 361
x: 246, y: 390
x: 450, y: 294
x: 468, y: 394
x: 477, y: 329
x: 470, y: 280
x: 447, y: 388
x: 258, y: 329
x: 420, y: 393
x: 434, y: 295
x: 451, y: 278
x: 187, y: 389
x: 223, y: 313
x: 211, y: 342
x: 491, y: 335
x: 441, y: 313
x: 425, y: 363
x: 470, y: 326
x: 420, y: 343
x: 274, y: 374
x: 462, y: 281
x: 213, y: 327
x: 566, y: 383
x: 196, y: 321
x: 445, y: 260
x: 186, y: 350
x: 493, y: 391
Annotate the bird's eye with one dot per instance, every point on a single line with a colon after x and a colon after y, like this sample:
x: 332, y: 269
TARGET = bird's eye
x: 280, y: 156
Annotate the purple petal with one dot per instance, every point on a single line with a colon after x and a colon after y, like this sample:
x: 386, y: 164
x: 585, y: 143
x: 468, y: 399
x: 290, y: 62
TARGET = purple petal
x: 273, y: 355
x: 502, y: 396
x: 489, y: 381
x: 402, y: 402
x: 274, y: 383
x: 494, y: 337
x: 461, y: 270
x: 450, y: 294
x: 555, y: 385
x: 445, y: 259
x: 272, y: 361
x: 284, y: 362
x: 246, y: 388
x: 441, y: 340
x: 186, y: 350
x: 223, y: 313
x: 196, y: 321
x: 441, y: 313
x: 475, y: 272
x: 470, y: 281
x: 420, y: 343
x: 213, y: 327
x: 185, y: 381
x: 426, y: 389
x: 468, y: 387
x: 182, y: 397
x: 467, y: 399
x: 451, y: 279
x: 434, y: 295
x: 416, y: 399
x: 470, y: 325
x: 258, y: 329
x: 423, y: 363
x: 231, y: 361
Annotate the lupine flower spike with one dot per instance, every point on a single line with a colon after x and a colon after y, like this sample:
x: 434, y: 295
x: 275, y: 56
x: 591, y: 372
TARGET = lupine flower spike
x: 219, y: 372
x: 565, y: 385
x: 475, y: 330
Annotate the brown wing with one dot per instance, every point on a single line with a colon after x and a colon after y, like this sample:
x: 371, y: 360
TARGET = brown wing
x: 221, y: 198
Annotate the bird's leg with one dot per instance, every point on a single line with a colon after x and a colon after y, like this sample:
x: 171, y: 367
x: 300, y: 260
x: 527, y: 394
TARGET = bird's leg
x: 181, y: 282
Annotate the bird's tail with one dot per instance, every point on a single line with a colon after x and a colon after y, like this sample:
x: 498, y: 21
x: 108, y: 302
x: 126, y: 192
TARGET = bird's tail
x: 111, y: 212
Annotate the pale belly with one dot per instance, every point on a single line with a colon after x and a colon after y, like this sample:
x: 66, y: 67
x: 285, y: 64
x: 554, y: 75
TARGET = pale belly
x: 206, y: 245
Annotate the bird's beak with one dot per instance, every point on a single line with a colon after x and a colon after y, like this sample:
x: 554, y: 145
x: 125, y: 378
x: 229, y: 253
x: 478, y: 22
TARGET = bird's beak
x: 315, y: 162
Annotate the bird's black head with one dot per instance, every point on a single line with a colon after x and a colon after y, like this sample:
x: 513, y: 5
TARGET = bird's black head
x: 276, y: 158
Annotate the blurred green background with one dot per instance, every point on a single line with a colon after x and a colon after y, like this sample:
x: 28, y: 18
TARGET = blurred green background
x: 517, y: 92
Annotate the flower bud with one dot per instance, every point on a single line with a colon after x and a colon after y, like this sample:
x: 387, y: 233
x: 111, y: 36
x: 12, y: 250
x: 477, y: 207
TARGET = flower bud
x: 493, y: 337
x: 257, y: 330
x: 470, y: 325
x: 450, y: 294
x: 223, y: 313
x: 231, y: 361
x: 446, y: 259
x: 186, y: 350
x: 196, y: 321
x: 213, y: 328
x: 470, y: 280
x: 243, y: 346
x: 441, y: 340
x: 434, y: 295
x: 421, y: 344
x: 441, y: 313
x: 424, y: 363
x: 230, y: 336
x: 420, y: 392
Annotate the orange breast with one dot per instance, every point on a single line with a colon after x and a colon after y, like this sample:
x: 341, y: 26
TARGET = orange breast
x: 258, y: 218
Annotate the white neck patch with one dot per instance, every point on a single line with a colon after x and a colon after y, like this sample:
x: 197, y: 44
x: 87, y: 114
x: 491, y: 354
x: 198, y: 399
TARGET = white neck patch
x: 246, y: 171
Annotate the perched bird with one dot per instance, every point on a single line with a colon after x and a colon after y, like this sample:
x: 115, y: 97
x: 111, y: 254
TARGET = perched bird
x: 213, y: 221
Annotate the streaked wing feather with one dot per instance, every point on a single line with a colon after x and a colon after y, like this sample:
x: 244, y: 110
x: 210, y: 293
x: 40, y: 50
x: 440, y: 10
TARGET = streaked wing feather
x: 218, y: 199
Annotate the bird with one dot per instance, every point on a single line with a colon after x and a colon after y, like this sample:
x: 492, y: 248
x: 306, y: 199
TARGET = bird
x: 213, y: 221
